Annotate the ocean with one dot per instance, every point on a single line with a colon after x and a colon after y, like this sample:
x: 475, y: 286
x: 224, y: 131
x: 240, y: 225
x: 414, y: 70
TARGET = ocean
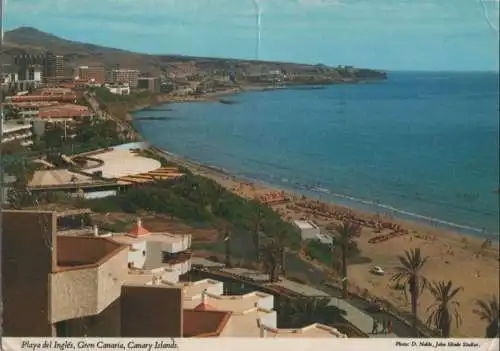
x: 421, y: 146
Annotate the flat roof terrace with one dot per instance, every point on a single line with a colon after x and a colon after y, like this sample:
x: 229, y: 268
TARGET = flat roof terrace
x: 193, y: 290
x: 165, y: 238
x: 75, y: 252
x: 305, y: 225
x: 120, y: 163
x: 245, y: 324
x: 230, y: 303
x: 57, y: 177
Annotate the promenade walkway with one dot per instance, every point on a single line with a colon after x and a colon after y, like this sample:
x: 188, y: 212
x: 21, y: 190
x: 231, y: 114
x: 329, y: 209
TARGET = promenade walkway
x: 353, y: 315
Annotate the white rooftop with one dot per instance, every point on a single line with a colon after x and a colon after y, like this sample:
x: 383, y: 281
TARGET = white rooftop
x: 58, y: 177
x: 14, y: 127
x: 304, y: 224
x: 166, y: 238
x: 229, y: 303
x: 120, y: 163
x: 193, y: 290
x: 245, y: 324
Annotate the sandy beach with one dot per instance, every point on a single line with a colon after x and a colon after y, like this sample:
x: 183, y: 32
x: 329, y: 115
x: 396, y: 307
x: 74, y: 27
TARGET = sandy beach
x: 460, y: 258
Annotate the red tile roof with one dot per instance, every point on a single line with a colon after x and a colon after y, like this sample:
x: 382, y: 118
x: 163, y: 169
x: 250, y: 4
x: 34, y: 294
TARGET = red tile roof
x: 138, y: 230
x: 204, y: 307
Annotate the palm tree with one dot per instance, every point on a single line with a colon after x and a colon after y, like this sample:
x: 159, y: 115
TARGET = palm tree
x: 256, y: 235
x: 303, y: 311
x: 489, y: 310
x: 271, y: 259
x: 281, y: 241
x: 227, y: 240
x: 345, y: 234
x: 410, y: 276
x: 445, y: 309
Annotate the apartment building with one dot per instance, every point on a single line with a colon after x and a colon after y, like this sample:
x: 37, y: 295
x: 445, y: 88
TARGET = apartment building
x: 118, y: 89
x: 91, y: 74
x: 28, y: 110
x: 53, y: 66
x: 124, y: 76
x: 68, y: 112
x: 107, y: 286
x: 30, y: 67
x: 151, y: 84
x: 66, y: 97
x: 17, y: 132
x: 76, y: 286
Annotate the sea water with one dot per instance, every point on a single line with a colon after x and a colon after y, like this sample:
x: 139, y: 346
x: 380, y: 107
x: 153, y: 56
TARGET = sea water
x: 422, y: 146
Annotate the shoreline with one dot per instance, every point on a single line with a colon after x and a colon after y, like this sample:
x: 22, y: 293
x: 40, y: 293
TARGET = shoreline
x: 215, y: 172
x: 365, y: 206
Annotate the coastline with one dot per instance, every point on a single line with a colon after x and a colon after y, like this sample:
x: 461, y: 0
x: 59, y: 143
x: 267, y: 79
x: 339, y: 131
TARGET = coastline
x: 366, y: 206
x: 221, y: 175
x: 446, y: 249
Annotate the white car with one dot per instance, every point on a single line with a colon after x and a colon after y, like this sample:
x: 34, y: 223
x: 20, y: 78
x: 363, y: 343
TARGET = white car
x: 377, y: 270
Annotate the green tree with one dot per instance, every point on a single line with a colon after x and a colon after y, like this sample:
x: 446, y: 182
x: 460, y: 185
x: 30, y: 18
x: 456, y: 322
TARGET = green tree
x: 445, y: 309
x: 345, y: 234
x: 282, y: 242
x: 227, y: 243
x: 304, y: 311
x: 409, y: 275
x: 256, y: 233
x: 271, y: 253
x: 488, y: 310
x: 54, y: 137
x: 18, y: 195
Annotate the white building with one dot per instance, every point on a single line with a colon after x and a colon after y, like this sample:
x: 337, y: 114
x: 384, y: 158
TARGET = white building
x: 118, y: 89
x: 248, y: 315
x: 15, y: 131
x: 149, y: 251
x: 308, y: 230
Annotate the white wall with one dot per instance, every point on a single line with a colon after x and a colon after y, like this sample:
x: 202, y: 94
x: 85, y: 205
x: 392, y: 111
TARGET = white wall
x: 170, y: 277
x: 179, y: 244
x: 216, y: 289
x: 38, y: 76
x: 137, y: 254
x: 181, y: 268
x: 310, y: 233
x: 267, y: 302
x: 270, y: 320
x: 119, y: 90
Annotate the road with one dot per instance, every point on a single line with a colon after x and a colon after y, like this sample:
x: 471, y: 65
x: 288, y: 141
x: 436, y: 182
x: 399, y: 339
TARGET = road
x: 316, y: 278
x: 123, y: 127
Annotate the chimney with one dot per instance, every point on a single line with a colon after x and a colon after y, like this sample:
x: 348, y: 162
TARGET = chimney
x: 95, y: 230
x: 139, y: 222
x: 262, y: 328
x: 204, y: 297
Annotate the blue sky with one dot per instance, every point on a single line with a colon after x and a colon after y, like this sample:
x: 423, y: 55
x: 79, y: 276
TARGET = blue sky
x: 386, y: 34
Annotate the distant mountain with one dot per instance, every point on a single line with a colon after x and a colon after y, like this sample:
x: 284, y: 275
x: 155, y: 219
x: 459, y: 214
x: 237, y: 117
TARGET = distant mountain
x: 31, y: 40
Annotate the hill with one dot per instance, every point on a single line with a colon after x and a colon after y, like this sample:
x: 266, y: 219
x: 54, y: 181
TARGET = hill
x: 30, y: 40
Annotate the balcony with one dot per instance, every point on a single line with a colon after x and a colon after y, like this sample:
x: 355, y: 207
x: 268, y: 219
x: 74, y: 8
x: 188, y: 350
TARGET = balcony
x: 88, y: 276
